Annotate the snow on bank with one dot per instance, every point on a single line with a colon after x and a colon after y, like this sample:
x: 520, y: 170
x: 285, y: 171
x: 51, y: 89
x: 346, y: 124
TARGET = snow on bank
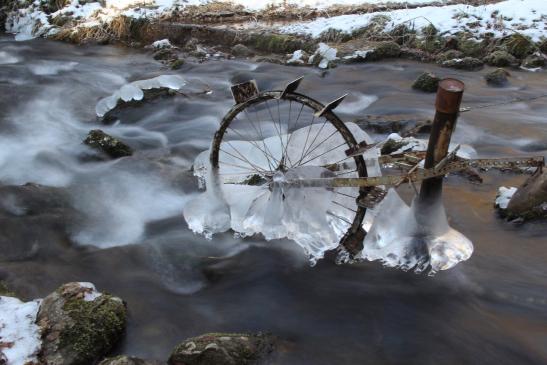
x: 134, y: 91
x: 19, y: 335
x: 528, y: 17
x: 504, y: 196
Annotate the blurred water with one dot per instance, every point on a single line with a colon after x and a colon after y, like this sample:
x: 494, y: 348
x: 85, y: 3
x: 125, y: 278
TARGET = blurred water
x: 125, y: 232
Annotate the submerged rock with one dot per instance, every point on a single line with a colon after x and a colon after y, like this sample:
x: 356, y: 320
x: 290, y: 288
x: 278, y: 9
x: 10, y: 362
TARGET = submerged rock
x: 107, y: 144
x: 79, y: 325
x: 498, y: 77
x: 126, y: 360
x: 466, y: 63
x: 427, y: 82
x: 530, y: 200
x: 223, y: 349
x: 500, y: 58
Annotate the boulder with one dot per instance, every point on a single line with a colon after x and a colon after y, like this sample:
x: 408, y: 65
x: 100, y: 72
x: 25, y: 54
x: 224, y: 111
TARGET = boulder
x: 107, y: 144
x: 239, y: 50
x: 498, y: 77
x: 384, y: 50
x: 427, y: 82
x: 500, y: 58
x: 534, y: 61
x: 448, y: 55
x: 79, y: 325
x: 530, y: 200
x: 223, y: 349
x: 466, y: 63
x: 519, y: 45
x: 126, y: 360
x: 165, y: 54
x: 176, y: 64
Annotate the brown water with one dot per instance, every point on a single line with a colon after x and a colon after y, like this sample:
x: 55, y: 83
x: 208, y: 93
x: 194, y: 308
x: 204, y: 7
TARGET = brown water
x: 491, y: 309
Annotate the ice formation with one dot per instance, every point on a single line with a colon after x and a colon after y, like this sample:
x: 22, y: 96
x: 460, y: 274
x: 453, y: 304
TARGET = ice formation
x: 296, y: 58
x: 400, y: 236
x: 163, y: 43
x: 325, y: 54
x: 17, y: 328
x: 134, y: 91
x: 7, y: 59
x: 504, y: 196
x: 91, y: 294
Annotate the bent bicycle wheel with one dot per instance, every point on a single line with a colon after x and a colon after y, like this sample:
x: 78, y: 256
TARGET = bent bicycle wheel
x: 275, y: 136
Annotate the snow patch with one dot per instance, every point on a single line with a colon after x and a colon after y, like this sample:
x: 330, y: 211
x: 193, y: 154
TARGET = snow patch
x: 325, y: 54
x: 19, y: 334
x: 163, y: 43
x: 296, y: 58
x: 91, y: 294
x: 504, y: 196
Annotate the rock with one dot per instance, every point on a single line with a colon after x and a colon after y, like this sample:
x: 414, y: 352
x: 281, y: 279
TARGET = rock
x: 449, y: 55
x: 402, y: 34
x: 467, y: 63
x: 107, y: 144
x: 534, y: 61
x: 79, y: 325
x: 519, y: 45
x: 427, y: 82
x: 126, y: 360
x: 471, y: 47
x: 384, y: 50
x: 500, y: 58
x: 4, y: 290
x: 165, y: 54
x: 530, y: 200
x: 498, y: 77
x: 191, y: 45
x: 239, y: 50
x: 223, y: 349
x: 451, y: 43
x: 542, y: 45
x: 298, y: 58
x: 176, y: 64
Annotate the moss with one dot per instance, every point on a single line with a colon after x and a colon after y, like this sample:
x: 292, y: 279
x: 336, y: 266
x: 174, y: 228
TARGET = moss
x: 429, y: 31
x: 334, y: 35
x: 427, y: 82
x: 97, y: 326
x: 533, y: 61
x: 391, y: 146
x: 542, y: 45
x: 4, y: 291
x: 519, y: 45
x: 176, y: 64
x: 385, y: 50
x: 277, y: 43
x: 111, y: 146
x: 448, y: 55
x: 467, y: 63
x: 402, y: 34
x: 497, y: 77
x: 430, y: 44
x: 255, y: 180
x: 500, y: 58
x: 471, y: 47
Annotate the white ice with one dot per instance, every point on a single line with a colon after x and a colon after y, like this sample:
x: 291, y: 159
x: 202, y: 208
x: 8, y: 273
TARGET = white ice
x: 504, y: 196
x: 18, y: 328
x: 296, y: 58
x: 50, y: 68
x: 7, y: 59
x: 325, y: 53
x: 163, y: 43
x: 92, y: 292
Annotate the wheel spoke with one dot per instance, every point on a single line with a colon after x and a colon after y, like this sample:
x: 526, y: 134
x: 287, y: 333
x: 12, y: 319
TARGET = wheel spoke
x: 324, y: 153
x: 242, y: 159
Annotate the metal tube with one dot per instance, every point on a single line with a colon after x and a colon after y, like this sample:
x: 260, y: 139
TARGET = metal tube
x: 447, y: 105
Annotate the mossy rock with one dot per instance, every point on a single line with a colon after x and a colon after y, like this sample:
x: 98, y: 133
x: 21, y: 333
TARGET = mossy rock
x: 277, y: 43
x: 240, y: 50
x: 427, y: 82
x: 165, y: 54
x: 176, y: 64
x: 223, y: 349
x: 402, y: 34
x: 519, y: 45
x: 530, y: 200
x: 107, y: 144
x: 542, y: 45
x: 471, y: 47
x: 534, y: 61
x: 5, y: 291
x: 497, y: 77
x: 500, y: 58
x: 126, y: 360
x: 466, y: 63
x: 334, y: 35
x: 430, y: 44
x: 79, y: 325
x: 392, y: 145
x: 449, y: 55
x: 384, y: 50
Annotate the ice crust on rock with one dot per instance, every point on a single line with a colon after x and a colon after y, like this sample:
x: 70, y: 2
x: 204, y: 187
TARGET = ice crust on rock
x: 163, y: 43
x: 134, y: 91
x: 92, y: 293
x: 398, y: 235
x: 504, y: 196
x: 325, y: 54
x: 17, y: 326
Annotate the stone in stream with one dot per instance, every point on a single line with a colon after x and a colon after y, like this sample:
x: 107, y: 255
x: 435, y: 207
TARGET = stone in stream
x: 107, y: 144
x: 466, y: 63
x: 223, y: 349
x: 530, y: 200
x: 427, y: 82
x: 240, y: 50
x: 498, y: 77
x: 79, y: 325
x: 500, y: 58
x: 126, y: 360
x: 518, y: 45
x: 534, y: 61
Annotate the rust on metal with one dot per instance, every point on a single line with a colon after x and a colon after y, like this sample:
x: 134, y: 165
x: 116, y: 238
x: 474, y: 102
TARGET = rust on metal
x: 291, y: 87
x: 359, y: 149
x: 353, y: 241
x: 244, y: 91
x: 330, y: 106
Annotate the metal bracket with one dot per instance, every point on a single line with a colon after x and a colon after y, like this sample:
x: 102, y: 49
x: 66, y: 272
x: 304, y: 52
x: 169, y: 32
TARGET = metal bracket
x: 291, y: 87
x: 330, y: 106
x: 359, y: 149
x: 244, y: 91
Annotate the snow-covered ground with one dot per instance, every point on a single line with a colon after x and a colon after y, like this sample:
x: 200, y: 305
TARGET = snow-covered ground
x: 529, y: 17
x: 19, y: 335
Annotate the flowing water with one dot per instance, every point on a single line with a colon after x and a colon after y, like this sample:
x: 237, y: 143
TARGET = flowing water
x: 119, y: 224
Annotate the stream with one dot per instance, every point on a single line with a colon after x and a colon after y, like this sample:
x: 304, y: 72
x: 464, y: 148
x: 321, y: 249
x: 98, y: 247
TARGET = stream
x: 125, y: 231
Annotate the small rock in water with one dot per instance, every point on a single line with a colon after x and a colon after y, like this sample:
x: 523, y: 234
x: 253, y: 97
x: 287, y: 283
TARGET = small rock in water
x: 239, y: 50
x: 497, y: 77
x: 466, y: 63
x: 79, y: 325
x: 500, y: 58
x: 165, y: 54
x: 107, y: 144
x: 427, y: 82
x: 223, y: 349
x: 530, y: 199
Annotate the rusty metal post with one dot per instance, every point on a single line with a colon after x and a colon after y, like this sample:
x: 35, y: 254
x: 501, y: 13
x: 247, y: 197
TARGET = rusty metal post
x: 447, y: 105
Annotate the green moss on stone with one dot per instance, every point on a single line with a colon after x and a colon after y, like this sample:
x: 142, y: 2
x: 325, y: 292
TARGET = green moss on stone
x: 500, y: 58
x: 98, y: 325
x: 519, y: 45
x: 427, y: 82
x: 175, y: 65
x: 4, y: 291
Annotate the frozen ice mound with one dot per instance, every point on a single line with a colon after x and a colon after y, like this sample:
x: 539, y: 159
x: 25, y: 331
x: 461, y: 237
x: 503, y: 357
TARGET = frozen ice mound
x: 134, y: 91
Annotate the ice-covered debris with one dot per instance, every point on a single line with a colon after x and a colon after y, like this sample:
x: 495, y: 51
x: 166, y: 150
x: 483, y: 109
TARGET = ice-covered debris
x: 163, y: 43
x: 7, y: 59
x: 28, y: 23
x: 408, y: 144
x: 504, y: 196
x: 19, y: 335
x: 134, y: 91
x: 323, y: 56
x: 91, y: 293
x: 358, y: 55
x: 296, y: 58
x: 414, y: 239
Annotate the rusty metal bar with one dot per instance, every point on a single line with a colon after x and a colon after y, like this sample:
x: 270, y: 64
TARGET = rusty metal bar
x: 447, y: 105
